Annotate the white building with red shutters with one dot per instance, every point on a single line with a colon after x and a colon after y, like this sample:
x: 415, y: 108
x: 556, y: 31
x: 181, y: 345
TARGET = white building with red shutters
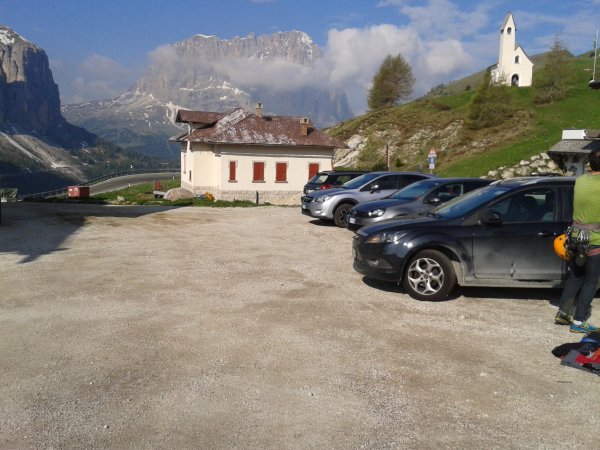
x: 239, y: 155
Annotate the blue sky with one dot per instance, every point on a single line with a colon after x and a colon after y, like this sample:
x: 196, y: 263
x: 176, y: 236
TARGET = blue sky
x: 97, y: 48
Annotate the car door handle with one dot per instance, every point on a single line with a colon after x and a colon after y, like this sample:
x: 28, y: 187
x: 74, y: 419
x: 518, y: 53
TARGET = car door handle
x: 546, y: 234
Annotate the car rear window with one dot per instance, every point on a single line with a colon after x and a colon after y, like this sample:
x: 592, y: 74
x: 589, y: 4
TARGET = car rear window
x: 319, y: 178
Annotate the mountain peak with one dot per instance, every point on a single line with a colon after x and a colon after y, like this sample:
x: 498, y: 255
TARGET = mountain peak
x: 9, y: 37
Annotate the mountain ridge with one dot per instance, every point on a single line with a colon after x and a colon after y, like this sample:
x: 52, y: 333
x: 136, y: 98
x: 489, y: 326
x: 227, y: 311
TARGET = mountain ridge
x: 212, y: 74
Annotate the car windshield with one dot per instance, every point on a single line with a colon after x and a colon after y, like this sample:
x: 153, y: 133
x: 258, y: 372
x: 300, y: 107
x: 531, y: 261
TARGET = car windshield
x: 466, y: 203
x: 415, y: 190
x: 359, y: 181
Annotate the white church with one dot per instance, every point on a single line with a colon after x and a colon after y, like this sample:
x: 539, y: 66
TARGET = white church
x: 514, y: 67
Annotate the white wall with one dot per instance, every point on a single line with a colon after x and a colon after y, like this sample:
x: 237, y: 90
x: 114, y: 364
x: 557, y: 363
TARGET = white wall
x: 297, y: 160
x: 210, y: 170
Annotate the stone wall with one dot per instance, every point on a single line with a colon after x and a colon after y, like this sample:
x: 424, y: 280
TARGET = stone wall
x: 540, y: 164
x: 283, y: 198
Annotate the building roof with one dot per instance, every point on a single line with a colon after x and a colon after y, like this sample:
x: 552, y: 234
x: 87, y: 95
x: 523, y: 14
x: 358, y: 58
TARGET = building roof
x: 569, y: 149
x: 199, y: 117
x: 243, y: 127
x: 507, y: 17
x: 575, y: 146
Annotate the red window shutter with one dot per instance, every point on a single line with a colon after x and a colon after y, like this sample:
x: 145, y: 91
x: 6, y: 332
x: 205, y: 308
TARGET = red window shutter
x: 232, y: 173
x: 259, y: 171
x: 281, y: 171
x: 313, y: 169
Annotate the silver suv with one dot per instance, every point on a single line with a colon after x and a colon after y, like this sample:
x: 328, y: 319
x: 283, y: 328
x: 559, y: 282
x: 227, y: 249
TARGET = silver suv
x: 334, y: 204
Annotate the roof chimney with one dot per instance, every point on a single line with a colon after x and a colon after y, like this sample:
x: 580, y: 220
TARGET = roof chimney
x: 258, y: 110
x: 304, y: 126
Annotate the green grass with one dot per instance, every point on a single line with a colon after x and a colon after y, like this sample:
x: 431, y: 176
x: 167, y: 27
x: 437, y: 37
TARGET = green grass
x: 531, y: 130
x: 143, y: 194
x: 579, y: 110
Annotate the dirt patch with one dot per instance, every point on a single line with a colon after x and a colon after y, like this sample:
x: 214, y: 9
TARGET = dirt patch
x: 149, y: 327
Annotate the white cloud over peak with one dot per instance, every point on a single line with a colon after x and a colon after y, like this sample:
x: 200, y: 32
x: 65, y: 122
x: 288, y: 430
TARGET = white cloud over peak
x: 351, y: 57
x: 97, y: 77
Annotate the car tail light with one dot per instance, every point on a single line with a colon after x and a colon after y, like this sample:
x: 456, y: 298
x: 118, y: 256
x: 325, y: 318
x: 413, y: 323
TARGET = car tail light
x: 326, y: 186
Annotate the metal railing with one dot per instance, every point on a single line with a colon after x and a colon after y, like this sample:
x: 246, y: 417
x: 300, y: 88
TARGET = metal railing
x: 63, y: 191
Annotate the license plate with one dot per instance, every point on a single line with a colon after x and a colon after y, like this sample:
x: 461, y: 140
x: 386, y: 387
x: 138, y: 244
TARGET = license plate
x: 353, y: 253
x: 351, y: 220
x: 304, y: 207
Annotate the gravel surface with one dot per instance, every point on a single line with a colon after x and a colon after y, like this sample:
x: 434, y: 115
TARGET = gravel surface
x: 148, y: 327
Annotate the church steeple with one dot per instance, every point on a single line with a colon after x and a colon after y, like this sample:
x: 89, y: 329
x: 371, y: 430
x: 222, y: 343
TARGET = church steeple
x: 514, y: 67
x: 508, y: 32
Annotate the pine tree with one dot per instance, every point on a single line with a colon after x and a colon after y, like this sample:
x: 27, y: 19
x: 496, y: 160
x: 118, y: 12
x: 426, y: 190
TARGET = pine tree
x: 491, y: 104
x: 552, y: 81
x: 392, y: 83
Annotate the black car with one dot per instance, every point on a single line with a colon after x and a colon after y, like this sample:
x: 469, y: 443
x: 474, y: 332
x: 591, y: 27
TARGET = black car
x: 500, y: 235
x: 330, y: 179
x: 413, y: 199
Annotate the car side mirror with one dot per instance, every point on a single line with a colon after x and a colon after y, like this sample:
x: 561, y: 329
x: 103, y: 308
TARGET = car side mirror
x: 491, y: 217
x: 374, y: 187
x: 433, y: 201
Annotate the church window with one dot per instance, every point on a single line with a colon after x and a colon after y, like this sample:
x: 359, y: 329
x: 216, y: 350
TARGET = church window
x: 509, y: 30
x: 517, y: 59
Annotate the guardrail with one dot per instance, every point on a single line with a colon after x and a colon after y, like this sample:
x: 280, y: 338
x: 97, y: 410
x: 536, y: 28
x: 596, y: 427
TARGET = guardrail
x: 63, y: 191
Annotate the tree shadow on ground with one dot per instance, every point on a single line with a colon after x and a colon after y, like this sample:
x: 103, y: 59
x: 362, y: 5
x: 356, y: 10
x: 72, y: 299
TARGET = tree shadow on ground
x: 35, y: 229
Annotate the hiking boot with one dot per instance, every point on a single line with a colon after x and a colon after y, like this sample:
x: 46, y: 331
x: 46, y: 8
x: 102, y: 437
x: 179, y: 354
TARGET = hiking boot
x: 562, y: 318
x: 583, y: 328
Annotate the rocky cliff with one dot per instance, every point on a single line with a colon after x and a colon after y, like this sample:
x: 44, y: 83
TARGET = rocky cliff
x: 28, y: 95
x: 39, y: 149
x: 212, y: 74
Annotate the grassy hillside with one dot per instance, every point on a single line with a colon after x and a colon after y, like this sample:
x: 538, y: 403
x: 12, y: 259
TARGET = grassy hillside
x: 437, y: 121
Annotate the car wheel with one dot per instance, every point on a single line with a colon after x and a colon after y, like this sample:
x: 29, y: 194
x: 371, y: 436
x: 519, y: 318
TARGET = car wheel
x: 429, y: 276
x: 339, y: 215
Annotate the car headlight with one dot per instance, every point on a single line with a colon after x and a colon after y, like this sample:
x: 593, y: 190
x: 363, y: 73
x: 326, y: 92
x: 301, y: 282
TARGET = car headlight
x: 376, y: 212
x: 323, y: 198
x: 386, y: 237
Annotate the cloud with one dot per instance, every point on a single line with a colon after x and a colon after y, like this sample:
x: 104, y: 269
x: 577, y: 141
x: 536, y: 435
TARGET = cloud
x: 97, y: 77
x: 442, y: 40
x: 353, y: 56
x: 349, y: 61
x: 442, y: 18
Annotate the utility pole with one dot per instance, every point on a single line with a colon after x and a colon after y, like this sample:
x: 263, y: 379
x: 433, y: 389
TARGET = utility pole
x: 388, y: 157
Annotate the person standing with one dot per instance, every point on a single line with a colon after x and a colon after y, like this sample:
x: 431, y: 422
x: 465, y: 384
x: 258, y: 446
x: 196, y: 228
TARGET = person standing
x: 582, y: 280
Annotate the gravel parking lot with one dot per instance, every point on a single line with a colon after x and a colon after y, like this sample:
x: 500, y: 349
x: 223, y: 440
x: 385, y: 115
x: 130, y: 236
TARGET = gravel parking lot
x: 140, y: 327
